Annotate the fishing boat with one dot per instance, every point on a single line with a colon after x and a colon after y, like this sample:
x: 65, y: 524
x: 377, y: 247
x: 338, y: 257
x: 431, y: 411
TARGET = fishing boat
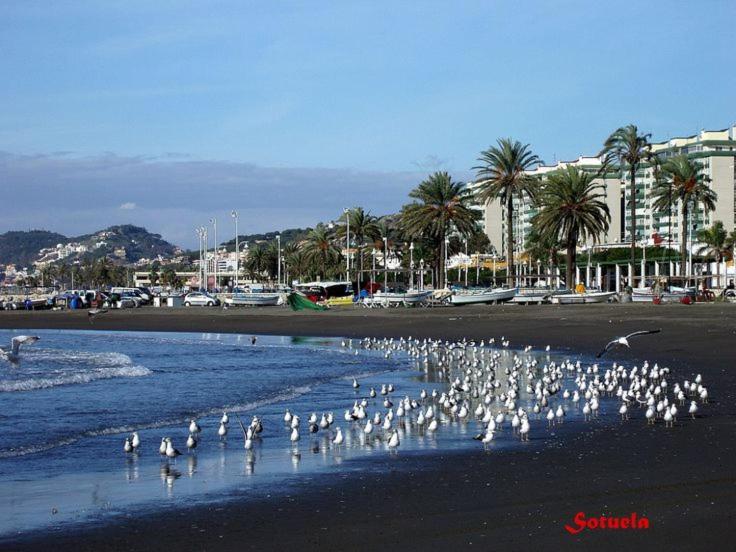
x: 648, y: 295
x: 391, y: 299
x: 253, y: 299
x: 531, y: 296
x: 586, y: 297
x: 322, y: 291
x: 490, y: 295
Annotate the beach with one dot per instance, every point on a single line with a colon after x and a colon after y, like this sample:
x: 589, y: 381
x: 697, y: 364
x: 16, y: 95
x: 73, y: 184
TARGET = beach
x: 682, y: 479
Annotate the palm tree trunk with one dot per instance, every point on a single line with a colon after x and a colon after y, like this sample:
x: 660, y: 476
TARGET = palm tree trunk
x: 632, y: 175
x: 360, y: 268
x: 718, y: 271
x: 569, y: 263
x: 683, y: 239
x: 510, y: 241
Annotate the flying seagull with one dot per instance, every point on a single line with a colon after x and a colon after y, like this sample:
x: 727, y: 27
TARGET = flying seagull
x: 91, y: 313
x: 12, y: 353
x: 624, y: 341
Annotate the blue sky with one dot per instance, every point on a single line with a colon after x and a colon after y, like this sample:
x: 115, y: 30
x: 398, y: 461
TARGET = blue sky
x: 330, y: 103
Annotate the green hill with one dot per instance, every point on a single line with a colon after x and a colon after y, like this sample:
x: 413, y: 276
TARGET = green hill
x: 125, y: 242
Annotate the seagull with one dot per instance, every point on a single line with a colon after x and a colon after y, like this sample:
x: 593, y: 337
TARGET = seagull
x: 12, y: 353
x: 91, y: 313
x: 624, y: 341
x: 171, y: 452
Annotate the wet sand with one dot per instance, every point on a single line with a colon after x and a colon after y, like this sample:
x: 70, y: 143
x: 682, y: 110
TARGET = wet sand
x: 683, y: 479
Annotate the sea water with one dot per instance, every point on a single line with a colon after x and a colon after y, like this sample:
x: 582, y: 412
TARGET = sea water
x: 67, y: 406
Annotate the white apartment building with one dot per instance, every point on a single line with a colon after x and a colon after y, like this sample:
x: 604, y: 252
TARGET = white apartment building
x: 714, y: 149
x: 494, y: 216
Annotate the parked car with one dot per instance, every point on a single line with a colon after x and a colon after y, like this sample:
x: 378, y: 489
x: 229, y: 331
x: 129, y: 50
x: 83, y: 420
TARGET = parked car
x: 200, y: 298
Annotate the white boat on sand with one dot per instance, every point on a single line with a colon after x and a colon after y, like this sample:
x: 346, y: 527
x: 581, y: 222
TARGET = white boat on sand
x: 529, y: 296
x: 489, y: 295
x: 392, y: 299
x: 254, y: 299
x: 581, y: 298
x: 648, y: 294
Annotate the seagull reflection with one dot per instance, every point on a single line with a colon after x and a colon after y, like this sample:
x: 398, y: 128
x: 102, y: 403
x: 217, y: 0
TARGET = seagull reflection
x: 296, y: 457
x: 250, y: 462
x: 131, y: 468
x: 191, y: 465
x: 168, y: 476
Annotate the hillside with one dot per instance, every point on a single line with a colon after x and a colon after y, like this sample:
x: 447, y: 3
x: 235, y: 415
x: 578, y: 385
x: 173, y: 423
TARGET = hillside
x: 21, y: 248
x: 288, y: 235
x: 125, y: 242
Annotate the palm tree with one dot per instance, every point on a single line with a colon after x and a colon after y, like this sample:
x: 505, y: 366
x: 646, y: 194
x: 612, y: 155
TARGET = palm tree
x: 257, y: 261
x: 503, y: 175
x: 684, y: 180
x: 629, y: 149
x: 572, y: 208
x: 440, y: 204
x: 715, y: 244
x: 319, y: 249
x: 363, y: 229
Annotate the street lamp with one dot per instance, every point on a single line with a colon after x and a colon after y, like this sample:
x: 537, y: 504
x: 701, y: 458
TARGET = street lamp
x: 421, y: 271
x: 347, y: 243
x: 373, y: 271
x: 234, y: 214
x: 539, y: 271
x: 213, y: 222
x: 385, y: 264
x: 278, y: 268
x: 494, y: 268
x: 447, y: 244
x: 411, y: 265
x: 466, y: 261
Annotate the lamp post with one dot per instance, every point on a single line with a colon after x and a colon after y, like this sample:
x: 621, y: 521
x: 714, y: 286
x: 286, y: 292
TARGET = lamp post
x: 466, y: 261
x: 206, y: 250
x: 447, y: 243
x: 234, y: 214
x: 347, y: 243
x: 421, y: 271
x: 213, y: 222
x: 411, y: 265
x: 494, y: 268
x: 477, y: 268
x: 690, y: 242
x: 197, y: 231
x: 539, y: 271
x: 373, y: 271
x: 385, y: 264
x: 278, y: 268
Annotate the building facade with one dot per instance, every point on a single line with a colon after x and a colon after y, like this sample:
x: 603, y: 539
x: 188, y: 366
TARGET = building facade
x: 714, y: 149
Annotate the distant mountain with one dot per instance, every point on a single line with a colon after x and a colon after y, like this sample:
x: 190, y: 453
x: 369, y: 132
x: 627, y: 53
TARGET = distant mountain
x: 126, y: 243
x: 21, y: 248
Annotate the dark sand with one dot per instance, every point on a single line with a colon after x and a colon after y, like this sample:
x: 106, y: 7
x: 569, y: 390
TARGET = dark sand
x: 683, y: 479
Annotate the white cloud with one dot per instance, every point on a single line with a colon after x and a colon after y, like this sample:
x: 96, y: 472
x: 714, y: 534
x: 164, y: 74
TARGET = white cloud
x: 128, y: 206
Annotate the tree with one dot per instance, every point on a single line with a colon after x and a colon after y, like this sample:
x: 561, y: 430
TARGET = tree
x: 320, y: 250
x: 715, y: 244
x: 684, y: 180
x: 440, y: 205
x: 257, y: 261
x: 503, y: 175
x: 363, y: 230
x: 629, y: 149
x: 571, y: 208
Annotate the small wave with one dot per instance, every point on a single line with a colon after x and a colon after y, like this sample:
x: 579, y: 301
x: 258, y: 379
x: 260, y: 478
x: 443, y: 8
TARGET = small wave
x: 72, y: 379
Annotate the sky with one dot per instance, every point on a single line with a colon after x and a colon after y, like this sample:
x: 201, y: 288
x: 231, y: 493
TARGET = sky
x: 168, y: 113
